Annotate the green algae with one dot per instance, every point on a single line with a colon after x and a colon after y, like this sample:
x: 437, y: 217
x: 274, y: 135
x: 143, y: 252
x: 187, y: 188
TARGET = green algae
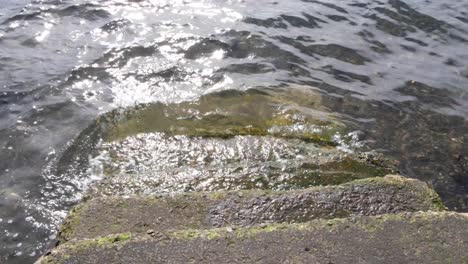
x: 426, y: 224
x: 103, y: 241
x: 195, y: 207
x: 366, y: 223
x: 69, y: 248
x: 436, y: 200
x: 353, y: 166
x: 67, y: 228
x: 336, y: 172
x: 217, y: 126
x: 229, y: 114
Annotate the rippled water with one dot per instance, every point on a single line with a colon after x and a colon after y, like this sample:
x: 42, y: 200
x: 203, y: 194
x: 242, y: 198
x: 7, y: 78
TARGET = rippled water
x: 397, y: 69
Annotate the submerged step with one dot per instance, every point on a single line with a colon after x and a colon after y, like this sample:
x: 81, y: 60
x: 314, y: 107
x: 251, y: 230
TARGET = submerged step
x: 256, y: 139
x: 109, y: 215
x: 295, y: 112
x: 292, y: 112
x: 154, y: 163
x: 422, y: 237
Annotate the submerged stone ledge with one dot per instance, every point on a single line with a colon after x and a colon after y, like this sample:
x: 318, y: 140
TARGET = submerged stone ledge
x: 155, y: 163
x: 420, y: 237
x: 285, y: 113
x: 279, y: 139
x: 262, y: 119
x: 137, y: 214
x: 289, y: 113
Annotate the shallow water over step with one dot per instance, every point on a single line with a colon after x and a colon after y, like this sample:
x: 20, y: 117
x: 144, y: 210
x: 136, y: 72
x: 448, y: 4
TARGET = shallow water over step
x: 155, y: 163
x: 393, y: 70
x: 223, y: 141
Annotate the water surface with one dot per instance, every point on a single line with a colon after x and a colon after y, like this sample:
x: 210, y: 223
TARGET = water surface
x: 397, y: 69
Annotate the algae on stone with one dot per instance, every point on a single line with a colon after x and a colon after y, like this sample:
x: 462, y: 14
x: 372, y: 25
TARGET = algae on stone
x: 292, y: 113
x: 107, y: 215
x: 420, y: 237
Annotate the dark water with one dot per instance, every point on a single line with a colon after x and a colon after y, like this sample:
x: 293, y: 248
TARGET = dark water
x: 397, y: 69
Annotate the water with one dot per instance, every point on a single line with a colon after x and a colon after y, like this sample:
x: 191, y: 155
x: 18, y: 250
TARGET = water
x: 397, y: 69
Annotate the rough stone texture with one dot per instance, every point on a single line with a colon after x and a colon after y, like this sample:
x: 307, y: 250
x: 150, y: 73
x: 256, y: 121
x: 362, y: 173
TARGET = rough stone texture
x: 399, y: 238
x: 235, y: 165
x: 111, y: 215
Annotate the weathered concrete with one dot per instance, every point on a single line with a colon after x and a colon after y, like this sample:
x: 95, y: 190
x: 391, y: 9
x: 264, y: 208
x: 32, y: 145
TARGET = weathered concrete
x: 227, y: 178
x: 137, y: 214
x: 396, y: 238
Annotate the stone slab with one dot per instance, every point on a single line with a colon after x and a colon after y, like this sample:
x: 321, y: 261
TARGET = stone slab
x: 396, y: 238
x: 137, y: 214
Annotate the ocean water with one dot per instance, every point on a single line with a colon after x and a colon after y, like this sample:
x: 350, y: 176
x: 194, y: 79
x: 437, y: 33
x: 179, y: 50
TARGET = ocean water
x: 397, y: 69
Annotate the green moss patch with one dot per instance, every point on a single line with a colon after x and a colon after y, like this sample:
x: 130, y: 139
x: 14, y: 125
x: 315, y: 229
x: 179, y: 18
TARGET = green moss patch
x: 228, y: 114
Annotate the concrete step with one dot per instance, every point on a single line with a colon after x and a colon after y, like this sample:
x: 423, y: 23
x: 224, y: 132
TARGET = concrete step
x: 286, y: 113
x: 257, y: 139
x: 156, y: 163
x: 421, y: 237
x: 137, y: 214
x: 290, y: 113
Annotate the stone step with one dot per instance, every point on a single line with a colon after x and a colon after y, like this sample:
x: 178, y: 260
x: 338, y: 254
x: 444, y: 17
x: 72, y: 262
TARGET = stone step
x: 137, y: 214
x: 290, y: 113
x: 257, y: 139
x: 156, y: 163
x: 286, y: 113
x: 421, y: 237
